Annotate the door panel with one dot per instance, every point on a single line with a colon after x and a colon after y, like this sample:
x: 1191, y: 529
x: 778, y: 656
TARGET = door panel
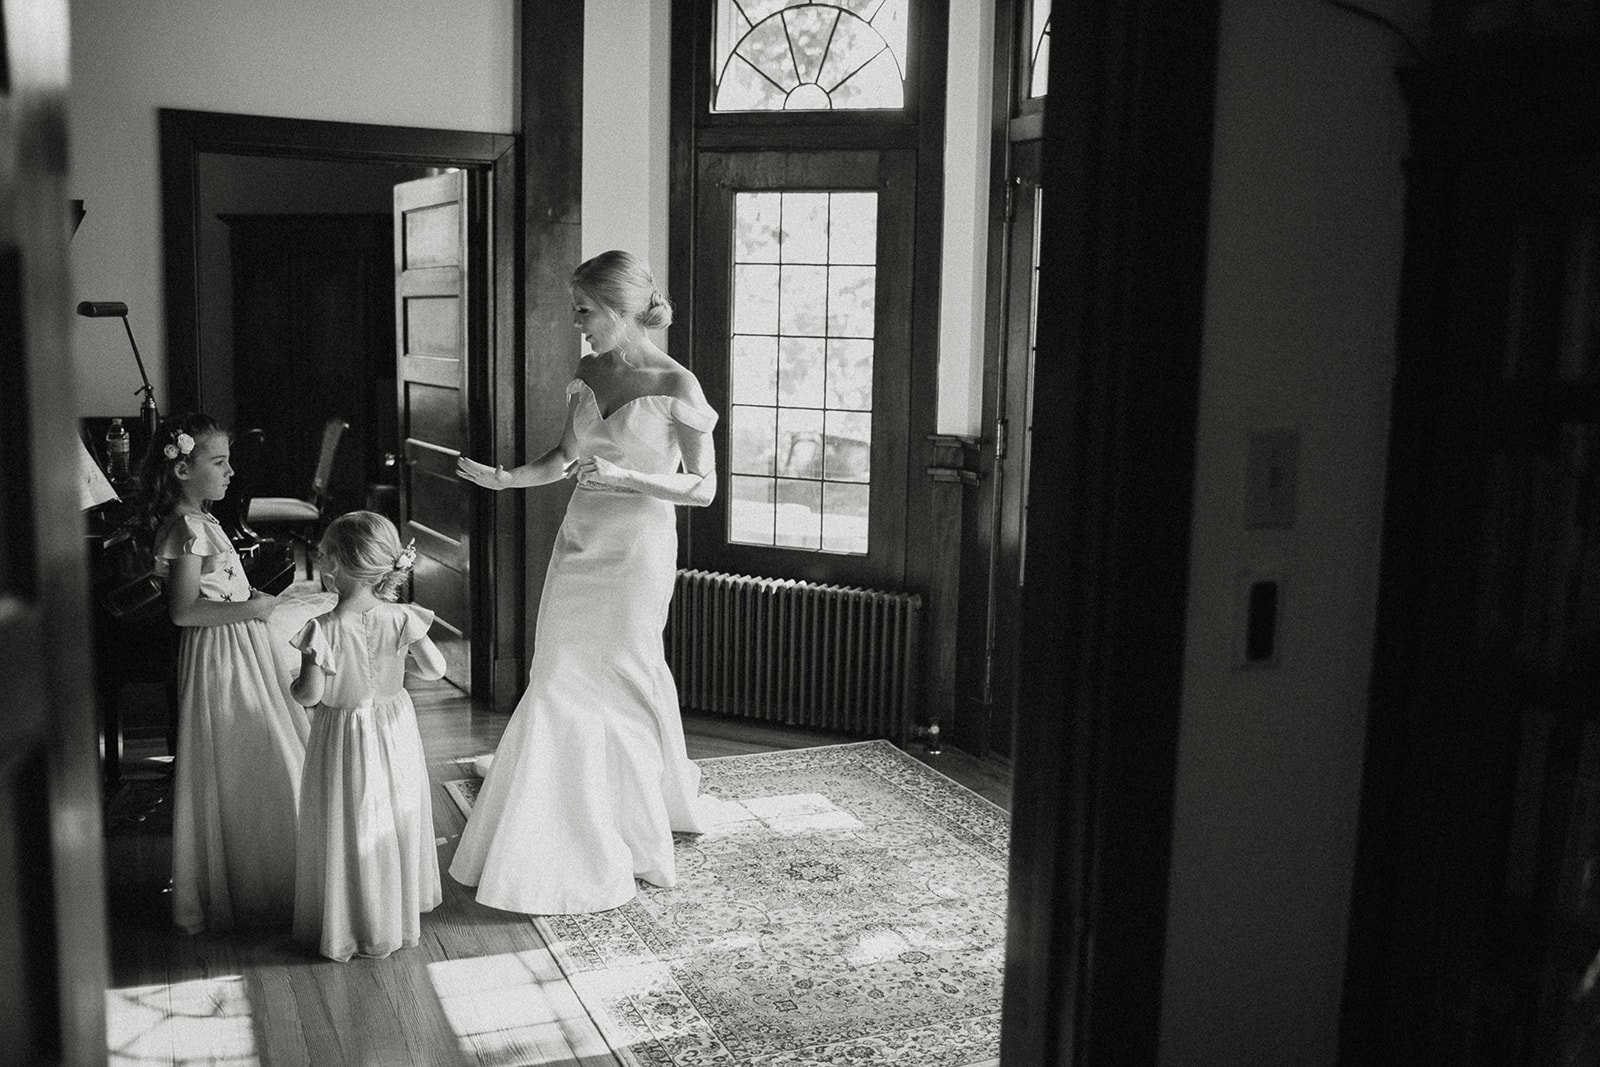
x: 435, y: 585
x: 434, y: 306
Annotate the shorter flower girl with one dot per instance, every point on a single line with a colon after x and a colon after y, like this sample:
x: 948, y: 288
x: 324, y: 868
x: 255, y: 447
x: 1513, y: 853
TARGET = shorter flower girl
x: 366, y: 864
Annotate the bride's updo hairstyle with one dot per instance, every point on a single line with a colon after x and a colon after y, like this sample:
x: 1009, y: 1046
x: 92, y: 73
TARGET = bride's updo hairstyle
x: 622, y: 284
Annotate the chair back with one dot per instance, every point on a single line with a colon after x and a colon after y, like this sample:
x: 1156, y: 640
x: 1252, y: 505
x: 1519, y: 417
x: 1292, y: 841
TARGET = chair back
x: 331, y: 433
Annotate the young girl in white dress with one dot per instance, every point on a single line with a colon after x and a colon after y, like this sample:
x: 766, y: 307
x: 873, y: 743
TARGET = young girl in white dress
x: 367, y: 866
x: 241, y: 737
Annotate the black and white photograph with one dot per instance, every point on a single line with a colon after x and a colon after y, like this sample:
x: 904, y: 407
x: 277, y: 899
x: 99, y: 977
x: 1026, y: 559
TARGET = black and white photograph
x: 800, y: 533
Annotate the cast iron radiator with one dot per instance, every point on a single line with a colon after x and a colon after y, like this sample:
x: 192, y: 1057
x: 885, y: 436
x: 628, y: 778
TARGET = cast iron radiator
x: 823, y: 656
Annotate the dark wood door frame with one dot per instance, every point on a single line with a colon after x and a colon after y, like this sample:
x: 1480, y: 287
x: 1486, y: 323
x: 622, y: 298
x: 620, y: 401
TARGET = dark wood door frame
x: 1127, y: 162
x: 492, y: 162
x: 53, y: 950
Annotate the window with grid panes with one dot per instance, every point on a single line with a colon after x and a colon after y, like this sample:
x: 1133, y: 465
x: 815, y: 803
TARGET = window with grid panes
x: 800, y: 374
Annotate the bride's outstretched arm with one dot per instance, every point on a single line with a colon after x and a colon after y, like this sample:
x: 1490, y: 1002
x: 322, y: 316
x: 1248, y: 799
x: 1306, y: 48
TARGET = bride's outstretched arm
x: 550, y: 467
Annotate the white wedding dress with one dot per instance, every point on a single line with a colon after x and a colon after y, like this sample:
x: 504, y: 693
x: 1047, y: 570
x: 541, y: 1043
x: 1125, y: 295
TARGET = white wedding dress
x: 591, y: 777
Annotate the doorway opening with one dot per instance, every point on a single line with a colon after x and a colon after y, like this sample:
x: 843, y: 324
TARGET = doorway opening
x: 279, y: 240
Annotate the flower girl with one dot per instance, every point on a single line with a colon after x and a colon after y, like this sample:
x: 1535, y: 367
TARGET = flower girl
x: 241, y: 736
x: 367, y: 867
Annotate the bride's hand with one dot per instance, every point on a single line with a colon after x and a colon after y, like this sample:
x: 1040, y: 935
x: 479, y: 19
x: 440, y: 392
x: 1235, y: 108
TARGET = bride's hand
x: 481, y: 474
x: 591, y: 469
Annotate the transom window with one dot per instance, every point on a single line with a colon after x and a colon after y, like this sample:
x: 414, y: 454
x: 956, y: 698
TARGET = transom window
x: 1039, y: 50
x: 800, y: 361
x: 793, y: 55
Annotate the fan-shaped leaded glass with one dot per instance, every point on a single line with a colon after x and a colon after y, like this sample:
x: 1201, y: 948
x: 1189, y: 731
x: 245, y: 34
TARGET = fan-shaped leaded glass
x: 790, y: 55
x: 1039, y: 50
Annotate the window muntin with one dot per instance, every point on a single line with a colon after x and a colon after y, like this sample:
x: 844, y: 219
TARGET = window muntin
x: 778, y: 55
x: 800, y: 363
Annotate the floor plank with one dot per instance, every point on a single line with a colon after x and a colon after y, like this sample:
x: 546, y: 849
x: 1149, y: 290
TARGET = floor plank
x: 480, y: 988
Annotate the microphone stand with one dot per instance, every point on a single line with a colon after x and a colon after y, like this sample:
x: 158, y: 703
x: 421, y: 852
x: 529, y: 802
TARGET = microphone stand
x: 147, y: 408
x: 98, y: 309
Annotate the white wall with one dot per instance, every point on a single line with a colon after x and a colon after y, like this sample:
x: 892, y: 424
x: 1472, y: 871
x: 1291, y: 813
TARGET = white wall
x: 1301, y: 292
x: 966, y: 219
x: 627, y: 126
x: 394, y: 62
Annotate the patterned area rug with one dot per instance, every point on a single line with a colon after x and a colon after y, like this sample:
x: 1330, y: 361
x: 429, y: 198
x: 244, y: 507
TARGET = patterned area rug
x: 850, y: 910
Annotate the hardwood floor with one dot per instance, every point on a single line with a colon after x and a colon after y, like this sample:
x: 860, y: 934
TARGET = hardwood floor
x: 480, y: 977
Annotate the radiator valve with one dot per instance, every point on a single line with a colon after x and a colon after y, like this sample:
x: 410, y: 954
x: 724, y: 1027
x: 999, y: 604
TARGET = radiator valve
x: 930, y: 735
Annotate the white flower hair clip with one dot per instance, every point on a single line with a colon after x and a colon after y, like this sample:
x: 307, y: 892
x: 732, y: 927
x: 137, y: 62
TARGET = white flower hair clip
x: 407, y: 557
x: 182, y: 445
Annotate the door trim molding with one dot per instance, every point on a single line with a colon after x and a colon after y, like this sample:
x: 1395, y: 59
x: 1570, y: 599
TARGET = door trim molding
x: 492, y: 157
x: 184, y: 135
x: 1127, y: 160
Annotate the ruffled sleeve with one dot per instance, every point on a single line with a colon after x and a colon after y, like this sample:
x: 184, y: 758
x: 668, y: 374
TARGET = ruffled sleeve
x: 186, y: 535
x: 575, y: 386
x: 313, y: 638
x: 694, y: 415
x: 415, y: 625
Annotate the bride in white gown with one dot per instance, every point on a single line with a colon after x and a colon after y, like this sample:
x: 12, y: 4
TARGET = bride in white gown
x: 591, y: 777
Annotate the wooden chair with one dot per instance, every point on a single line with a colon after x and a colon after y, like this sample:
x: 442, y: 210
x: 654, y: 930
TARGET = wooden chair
x: 303, y: 520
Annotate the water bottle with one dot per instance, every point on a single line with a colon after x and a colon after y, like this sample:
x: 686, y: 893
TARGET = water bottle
x: 117, y: 451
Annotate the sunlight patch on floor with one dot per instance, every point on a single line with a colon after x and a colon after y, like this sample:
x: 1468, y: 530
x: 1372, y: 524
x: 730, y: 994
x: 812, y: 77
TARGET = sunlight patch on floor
x: 515, y: 1009
x: 206, y: 1020
x: 799, y: 813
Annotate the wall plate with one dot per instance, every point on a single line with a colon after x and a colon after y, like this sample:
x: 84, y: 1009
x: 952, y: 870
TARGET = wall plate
x: 1258, y: 620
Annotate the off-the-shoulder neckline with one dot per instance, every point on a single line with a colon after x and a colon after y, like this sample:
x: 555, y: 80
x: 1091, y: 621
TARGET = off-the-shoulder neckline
x: 604, y: 417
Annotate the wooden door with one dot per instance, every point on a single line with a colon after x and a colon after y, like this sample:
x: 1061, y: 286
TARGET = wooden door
x: 1013, y: 446
x: 438, y: 329
x: 802, y: 341
x: 52, y: 894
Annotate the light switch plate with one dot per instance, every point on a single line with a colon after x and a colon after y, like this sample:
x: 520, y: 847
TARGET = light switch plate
x: 1271, y: 479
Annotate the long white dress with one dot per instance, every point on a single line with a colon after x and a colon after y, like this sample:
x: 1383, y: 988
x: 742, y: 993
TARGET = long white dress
x: 241, y: 743
x: 367, y: 865
x: 591, y: 777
